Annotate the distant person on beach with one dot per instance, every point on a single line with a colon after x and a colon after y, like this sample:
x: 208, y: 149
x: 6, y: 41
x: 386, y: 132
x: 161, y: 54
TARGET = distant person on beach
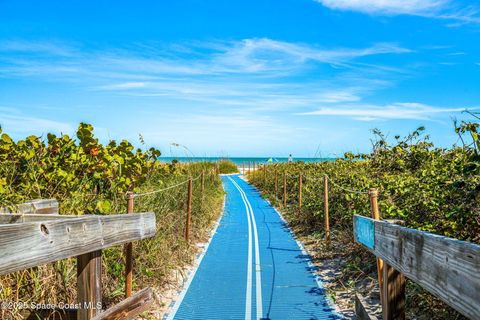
x: 290, y: 158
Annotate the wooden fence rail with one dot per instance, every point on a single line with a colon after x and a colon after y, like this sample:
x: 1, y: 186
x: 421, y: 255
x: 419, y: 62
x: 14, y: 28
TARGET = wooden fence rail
x: 31, y: 240
x: 28, y: 244
x: 448, y: 268
x: 42, y: 206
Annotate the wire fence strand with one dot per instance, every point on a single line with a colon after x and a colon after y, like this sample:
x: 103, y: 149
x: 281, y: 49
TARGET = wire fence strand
x: 331, y: 181
x: 346, y: 189
x: 136, y: 195
x: 337, y: 185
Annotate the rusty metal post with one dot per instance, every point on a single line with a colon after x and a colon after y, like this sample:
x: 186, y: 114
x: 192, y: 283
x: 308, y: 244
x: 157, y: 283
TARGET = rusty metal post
x: 129, y: 252
x: 300, y: 190
x: 276, y: 184
x: 189, y: 208
x: 202, y: 188
x: 373, y: 193
x: 264, y: 175
x: 285, y: 189
x: 325, y: 200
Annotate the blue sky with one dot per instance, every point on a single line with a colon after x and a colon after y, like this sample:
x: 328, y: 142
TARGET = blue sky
x: 240, y: 78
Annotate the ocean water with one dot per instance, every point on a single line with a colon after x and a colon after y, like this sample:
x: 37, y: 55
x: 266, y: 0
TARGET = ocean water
x: 241, y: 160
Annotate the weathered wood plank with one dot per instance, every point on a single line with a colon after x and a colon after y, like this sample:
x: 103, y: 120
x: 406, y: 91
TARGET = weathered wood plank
x: 448, y: 268
x: 130, y: 307
x: 43, y: 206
x: 25, y: 245
x: 89, y: 285
x: 7, y: 218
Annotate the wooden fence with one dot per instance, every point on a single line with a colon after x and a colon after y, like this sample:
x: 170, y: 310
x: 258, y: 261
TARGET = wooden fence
x: 29, y: 240
x: 447, y: 268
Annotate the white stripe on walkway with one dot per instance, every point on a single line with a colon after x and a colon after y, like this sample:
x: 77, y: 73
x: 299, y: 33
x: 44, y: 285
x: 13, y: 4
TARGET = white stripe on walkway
x: 258, y: 276
x: 257, y: 262
x: 248, y: 298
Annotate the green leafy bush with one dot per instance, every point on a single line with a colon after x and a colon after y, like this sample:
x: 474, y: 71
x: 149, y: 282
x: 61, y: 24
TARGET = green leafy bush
x: 68, y: 169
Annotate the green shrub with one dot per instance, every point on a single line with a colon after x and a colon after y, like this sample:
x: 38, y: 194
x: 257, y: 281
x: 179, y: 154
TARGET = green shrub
x: 70, y: 169
x: 432, y: 189
x: 227, y: 166
x: 88, y: 177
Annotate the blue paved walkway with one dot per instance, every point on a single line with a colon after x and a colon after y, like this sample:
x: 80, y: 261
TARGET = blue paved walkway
x: 242, y: 278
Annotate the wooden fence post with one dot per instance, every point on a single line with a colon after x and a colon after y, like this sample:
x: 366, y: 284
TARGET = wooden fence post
x: 285, y: 189
x: 373, y: 193
x: 300, y: 190
x: 249, y: 166
x: 243, y: 167
x: 325, y: 201
x: 393, y: 307
x: 89, y: 285
x: 89, y: 282
x: 189, y: 208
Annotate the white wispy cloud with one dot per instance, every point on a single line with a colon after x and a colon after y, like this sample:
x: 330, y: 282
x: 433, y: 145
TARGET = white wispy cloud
x: 416, y: 7
x: 250, y: 73
x: 248, y: 56
x: 440, y: 9
x: 366, y: 112
x: 252, y: 95
x: 126, y: 86
x: 39, y: 47
x: 253, y: 55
